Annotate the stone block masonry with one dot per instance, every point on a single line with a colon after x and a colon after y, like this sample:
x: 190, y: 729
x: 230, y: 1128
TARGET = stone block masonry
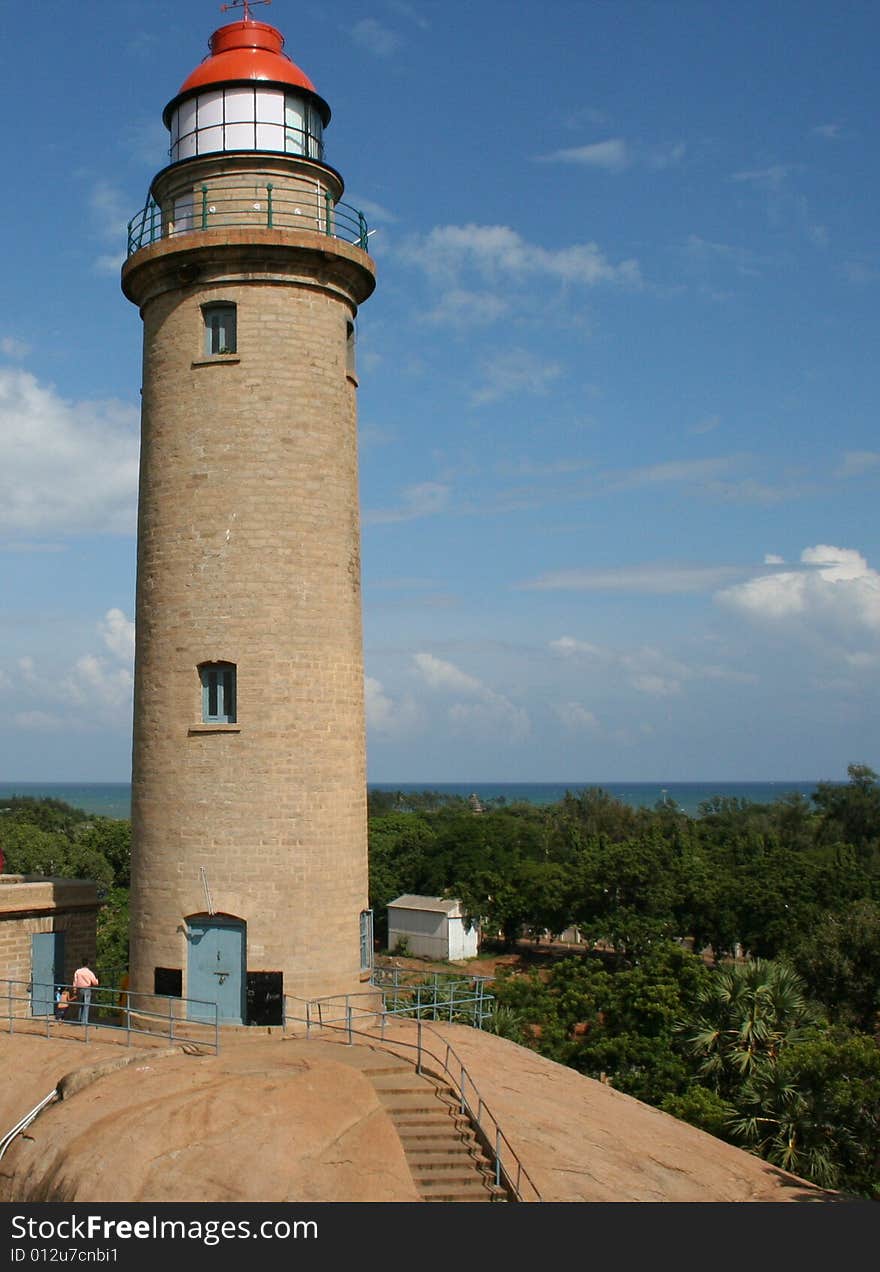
x: 30, y: 905
x: 248, y: 554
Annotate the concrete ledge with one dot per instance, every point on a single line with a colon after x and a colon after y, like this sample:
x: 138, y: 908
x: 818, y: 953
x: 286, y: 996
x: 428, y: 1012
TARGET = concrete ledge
x: 38, y: 894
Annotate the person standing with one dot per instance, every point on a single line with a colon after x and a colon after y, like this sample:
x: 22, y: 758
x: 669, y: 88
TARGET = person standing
x: 83, y: 980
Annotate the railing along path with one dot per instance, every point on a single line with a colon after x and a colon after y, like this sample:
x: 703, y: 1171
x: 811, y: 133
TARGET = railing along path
x: 181, y: 1020
x: 509, y: 1170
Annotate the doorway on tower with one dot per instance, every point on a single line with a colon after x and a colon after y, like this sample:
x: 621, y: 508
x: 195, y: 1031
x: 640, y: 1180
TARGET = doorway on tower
x: 215, y: 970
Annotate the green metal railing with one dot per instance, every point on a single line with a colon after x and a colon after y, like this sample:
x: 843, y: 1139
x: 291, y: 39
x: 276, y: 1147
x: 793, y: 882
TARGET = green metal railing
x: 30, y: 1005
x: 271, y: 206
x: 434, y: 995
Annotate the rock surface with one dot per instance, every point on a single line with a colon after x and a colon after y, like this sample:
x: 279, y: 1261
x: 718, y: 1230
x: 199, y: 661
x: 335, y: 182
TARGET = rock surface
x: 274, y: 1119
x: 581, y: 1140
x: 264, y: 1121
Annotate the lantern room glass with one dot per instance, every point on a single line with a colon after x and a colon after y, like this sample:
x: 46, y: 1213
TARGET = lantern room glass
x: 243, y: 117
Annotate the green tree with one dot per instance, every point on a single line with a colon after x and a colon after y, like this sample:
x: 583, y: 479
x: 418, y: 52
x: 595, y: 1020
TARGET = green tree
x: 627, y: 892
x: 400, y: 846
x: 701, y: 1107
x: 851, y: 814
x: 816, y: 1112
x: 111, y: 839
x: 744, y: 1016
x: 840, y: 961
x: 113, y: 928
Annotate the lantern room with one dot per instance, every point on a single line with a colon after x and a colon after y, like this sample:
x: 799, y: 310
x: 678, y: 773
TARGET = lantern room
x: 247, y: 95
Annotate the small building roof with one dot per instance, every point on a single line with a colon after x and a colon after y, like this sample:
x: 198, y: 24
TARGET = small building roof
x: 443, y: 905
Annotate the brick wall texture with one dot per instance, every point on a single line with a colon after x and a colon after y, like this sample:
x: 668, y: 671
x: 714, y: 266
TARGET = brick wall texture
x: 248, y: 553
x: 29, y: 906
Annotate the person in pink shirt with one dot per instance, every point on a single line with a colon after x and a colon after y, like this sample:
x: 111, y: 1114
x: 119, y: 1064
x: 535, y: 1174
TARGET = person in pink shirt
x: 83, y: 980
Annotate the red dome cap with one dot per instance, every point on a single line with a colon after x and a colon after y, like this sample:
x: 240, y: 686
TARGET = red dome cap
x: 244, y: 51
x: 247, y: 51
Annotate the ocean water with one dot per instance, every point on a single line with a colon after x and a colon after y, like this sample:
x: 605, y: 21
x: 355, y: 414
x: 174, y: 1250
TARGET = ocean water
x: 113, y: 799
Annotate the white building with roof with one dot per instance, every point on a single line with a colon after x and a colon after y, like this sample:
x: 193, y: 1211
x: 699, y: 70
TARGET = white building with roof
x: 432, y: 927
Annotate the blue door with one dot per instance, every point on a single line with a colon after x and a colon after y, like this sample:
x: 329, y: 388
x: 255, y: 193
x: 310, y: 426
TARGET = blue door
x: 216, y: 969
x: 47, y: 970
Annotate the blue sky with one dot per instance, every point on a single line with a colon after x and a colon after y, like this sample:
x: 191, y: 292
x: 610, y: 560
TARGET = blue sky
x: 619, y: 452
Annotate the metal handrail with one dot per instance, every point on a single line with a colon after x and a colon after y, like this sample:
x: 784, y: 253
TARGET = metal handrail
x: 432, y: 998
x: 471, y: 1104
x: 268, y: 206
x: 131, y: 1009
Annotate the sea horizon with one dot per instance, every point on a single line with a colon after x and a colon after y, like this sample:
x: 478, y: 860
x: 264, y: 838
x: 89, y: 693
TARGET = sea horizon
x: 113, y: 799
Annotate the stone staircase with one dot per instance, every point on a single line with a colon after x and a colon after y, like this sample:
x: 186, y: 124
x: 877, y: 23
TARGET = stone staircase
x: 445, y: 1158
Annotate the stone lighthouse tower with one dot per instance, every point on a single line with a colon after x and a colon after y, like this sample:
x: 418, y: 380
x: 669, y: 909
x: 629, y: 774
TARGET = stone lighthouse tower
x: 249, y: 872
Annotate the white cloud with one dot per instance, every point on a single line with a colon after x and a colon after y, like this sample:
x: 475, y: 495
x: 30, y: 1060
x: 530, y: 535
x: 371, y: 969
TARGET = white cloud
x: 37, y: 721
x: 646, y: 669
x: 110, y: 215
x: 375, y: 38
x: 707, y: 424
x: 568, y: 646
x: 410, y: 12
x: 117, y: 632
x: 616, y: 155
x: 676, y: 470
x: 771, y: 178
x: 668, y: 156
x: 93, y: 683
x: 425, y: 499
x: 11, y: 347
x: 379, y: 706
x: 861, y: 272
x: 835, y: 594
x: 110, y: 262
x: 743, y: 259
x: 652, y: 578
x: 575, y: 716
x: 67, y: 466
x: 374, y: 211
x: 486, y: 713
x: 384, y: 714
x: 499, y: 254
x: 515, y: 371
x: 439, y: 674
x: 93, y: 689
x: 459, y: 307
x: 656, y: 686
x: 494, y: 718
x: 855, y: 463
x: 612, y: 155
x: 770, y: 558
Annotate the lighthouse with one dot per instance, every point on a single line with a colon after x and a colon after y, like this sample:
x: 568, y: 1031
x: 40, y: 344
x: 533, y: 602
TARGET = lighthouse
x: 249, y: 859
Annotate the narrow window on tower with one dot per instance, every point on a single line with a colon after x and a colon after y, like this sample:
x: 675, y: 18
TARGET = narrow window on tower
x: 350, y: 346
x: 218, y: 693
x: 220, y: 329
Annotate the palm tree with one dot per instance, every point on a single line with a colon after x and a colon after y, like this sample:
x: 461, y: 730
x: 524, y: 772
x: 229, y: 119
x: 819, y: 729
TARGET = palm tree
x: 744, y: 1015
x: 779, y: 1123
